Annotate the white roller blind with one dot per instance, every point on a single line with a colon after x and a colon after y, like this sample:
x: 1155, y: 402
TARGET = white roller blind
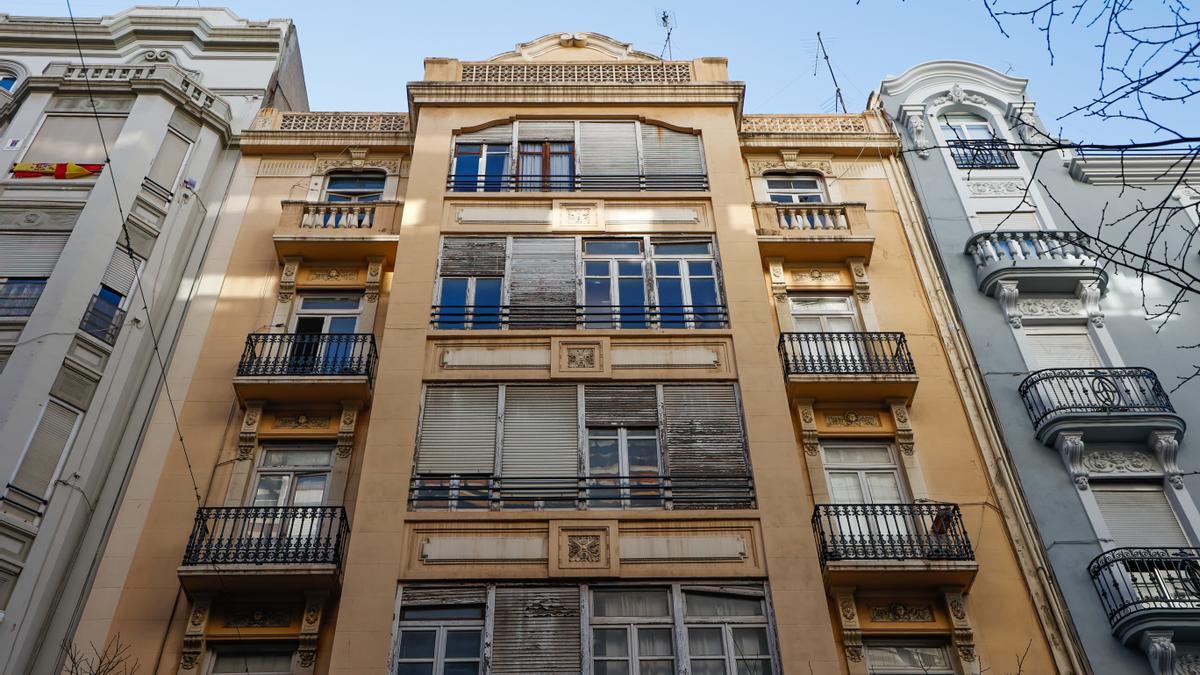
x: 608, y: 149
x: 501, y: 133
x: 46, y: 448
x: 458, y: 431
x: 666, y: 151
x: 30, y: 255
x: 170, y: 159
x: 541, y: 432
x: 121, y: 271
x: 1062, y: 347
x: 1139, y: 515
x: 546, y: 131
x: 73, y: 138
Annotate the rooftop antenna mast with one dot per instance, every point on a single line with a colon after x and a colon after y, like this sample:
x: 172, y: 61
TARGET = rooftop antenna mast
x: 667, y: 19
x: 837, y: 90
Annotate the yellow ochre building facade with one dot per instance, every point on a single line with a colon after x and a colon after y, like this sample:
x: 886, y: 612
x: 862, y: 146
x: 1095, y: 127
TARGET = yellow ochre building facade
x: 573, y: 367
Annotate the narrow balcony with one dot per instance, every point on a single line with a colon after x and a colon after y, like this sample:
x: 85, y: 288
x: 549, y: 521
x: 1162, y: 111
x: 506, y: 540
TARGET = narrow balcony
x: 894, y: 545
x: 596, y: 317
x: 1104, y: 404
x: 1043, y: 261
x: 983, y: 154
x: 258, y: 548
x: 578, y: 183
x: 848, y: 366
x: 482, y: 492
x: 338, y: 230
x: 103, y: 320
x: 333, y: 367
x: 1143, y: 589
x: 814, y: 232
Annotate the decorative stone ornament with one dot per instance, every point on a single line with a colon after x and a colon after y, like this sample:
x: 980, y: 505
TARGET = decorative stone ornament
x: 193, y: 633
x: 904, y: 431
x: 287, y: 279
x: 852, y: 643
x: 1089, y: 296
x: 346, y: 423
x: 1166, y: 447
x: 958, y: 95
x: 899, y: 612
x: 913, y: 119
x: 1007, y: 295
x: 862, y: 286
x: 1159, y: 646
x: 964, y: 634
x: 248, y: 434
x: 310, y: 627
x: 1070, y: 446
x: 374, y: 278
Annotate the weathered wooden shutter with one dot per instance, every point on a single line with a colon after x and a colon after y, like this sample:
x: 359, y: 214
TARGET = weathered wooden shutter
x: 666, y: 151
x: 541, y: 431
x: 30, y: 255
x: 620, y: 405
x: 541, y: 291
x: 1062, y: 347
x: 121, y: 271
x: 411, y: 596
x: 45, y: 449
x: 537, y: 631
x: 545, y: 131
x: 704, y: 438
x: 608, y: 149
x: 1139, y: 515
x: 501, y: 133
x: 473, y: 257
x: 458, y: 431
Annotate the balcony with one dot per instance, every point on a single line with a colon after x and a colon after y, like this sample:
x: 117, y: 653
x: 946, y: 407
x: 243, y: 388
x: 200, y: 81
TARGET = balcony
x: 481, y: 492
x: 578, y: 183
x: 1104, y: 404
x: 893, y: 545
x: 333, y: 367
x: 848, y: 366
x: 814, y: 232
x: 102, y: 320
x: 985, y: 154
x: 458, y: 317
x: 255, y: 548
x: 338, y: 230
x: 1043, y: 261
x: 1145, y: 589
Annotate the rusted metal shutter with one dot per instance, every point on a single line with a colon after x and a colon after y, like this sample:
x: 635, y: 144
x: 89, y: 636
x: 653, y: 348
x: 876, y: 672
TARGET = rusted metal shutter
x: 608, y: 149
x: 541, y: 290
x: 541, y: 432
x: 473, y: 257
x: 620, y: 405
x: 458, y: 431
x: 666, y: 151
x: 545, y: 131
x: 501, y: 133
x: 536, y: 631
x: 703, y: 435
x: 412, y: 596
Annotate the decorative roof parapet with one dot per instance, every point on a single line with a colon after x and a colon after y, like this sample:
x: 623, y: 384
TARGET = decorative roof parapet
x: 331, y: 121
x: 666, y: 72
x: 805, y: 124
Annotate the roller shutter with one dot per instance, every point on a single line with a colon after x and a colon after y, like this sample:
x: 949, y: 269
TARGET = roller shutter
x: 472, y: 257
x: 546, y: 131
x: 30, y: 255
x: 669, y: 152
x: 541, y: 432
x: 501, y: 133
x: 542, y: 286
x: 620, y: 405
x: 121, y: 272
x: 608, y: 149
x: 537, y: 631
x: 1062, y: 347
x: 1139, y: 516
x: 442, y: 595
x: 46, y: 449
x: 458, y: 431
x: 704, y: 439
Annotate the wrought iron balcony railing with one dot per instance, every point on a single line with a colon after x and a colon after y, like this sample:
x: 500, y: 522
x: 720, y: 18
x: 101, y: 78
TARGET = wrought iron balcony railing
x: 1051, y: 394
x: 985, y: 154
x: 845, y: 354
x: 461, y: 492
x: 580, y: 316
x: 927, y: 531
x: 578, y: 183
x: 268, y: 535
x: 1136, y: 580
x: 308, y: 354
x: 102, y: 320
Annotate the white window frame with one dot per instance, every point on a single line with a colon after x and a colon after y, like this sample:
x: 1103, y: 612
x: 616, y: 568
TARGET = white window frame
x: 215, y: 649
x: 293, y: 471
x: 632, y: 624
x: 327, y: 314
x: 481, y: 170
x: 727, y: 624
x: 468, y: 319
x: 627, y: 482
x: 942, y: 644
x: 108, y: 142
x: 862, y: 470
x: 440, y: 627
x: 794, y: 193
x: 961, y: 127
x: 355, y: 194
x: 187, y: 155
x: 685, y: 274
x: 851, y: 309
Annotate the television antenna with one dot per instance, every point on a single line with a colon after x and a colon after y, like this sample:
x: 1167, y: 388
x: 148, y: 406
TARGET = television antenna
x: 837, y: 90
x: 666, y: 19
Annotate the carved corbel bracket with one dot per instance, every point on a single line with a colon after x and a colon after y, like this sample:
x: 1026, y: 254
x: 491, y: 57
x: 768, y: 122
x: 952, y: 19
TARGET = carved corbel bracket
x: 1159, y: 646
x: 1020, y: 116
x: 852, y: 642
x: 345, y: 437
x: 1070, y: 446
x: 862, y: 284
x: 913, y: 119
x: 778, y: 279
x: 904, y: 431
x: 1007, y: 295
x: 808, y: 428
x: 248, y: 434
x: 287, y: 279
x: 964, y: 633
x: 1166, y: 447
x: 193, y: 634
x: 1088, y: 293
x: 310, y: 628
x: 374, y: 276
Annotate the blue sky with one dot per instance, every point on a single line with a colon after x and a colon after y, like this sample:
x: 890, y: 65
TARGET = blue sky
x: 358, y: 54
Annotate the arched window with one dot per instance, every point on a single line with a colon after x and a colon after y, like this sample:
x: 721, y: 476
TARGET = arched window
x: 966, y: 127
x: 8, y: 79
x: 795, y: 188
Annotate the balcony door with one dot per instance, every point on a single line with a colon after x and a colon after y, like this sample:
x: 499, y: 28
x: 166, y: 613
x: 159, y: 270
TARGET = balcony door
x: 614, y: 284
x: 624, y: 467
x: 830, y: 324
x: 291, y: 475
x: 862, y: 476
x: 353, y: 187
x: 318, y: 316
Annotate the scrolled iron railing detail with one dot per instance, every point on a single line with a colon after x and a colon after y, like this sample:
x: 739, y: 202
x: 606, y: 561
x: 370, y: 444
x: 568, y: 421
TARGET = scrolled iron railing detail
x: 925, y: 531
x: 268, y: 535
x: 460, y: 492
x: 846, y: 354
x: 308, y: 354
x: 982, y: 154
x: 102, y: 320
x: 1053, y: 393
x: 1134, y: 580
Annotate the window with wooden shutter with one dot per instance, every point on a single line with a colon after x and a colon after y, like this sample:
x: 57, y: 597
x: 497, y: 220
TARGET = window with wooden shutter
x: 30, y: 255
x: 634, y: 405
x: 500, y: 133
x: 666, y: 152
x: 608, y: 149
x: 541, y: 288
x: 704, y: 439
x: 472, y: 257
x: 42, y: 456
x: 1139, y: 515
x: 458, y: 431
x: 1068, y: 346
x: 541, y: 440
x: 537, y: 630
x: 546, y: 131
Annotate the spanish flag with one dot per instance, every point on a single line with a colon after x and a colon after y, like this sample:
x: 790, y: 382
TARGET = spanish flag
x: 59, y: 170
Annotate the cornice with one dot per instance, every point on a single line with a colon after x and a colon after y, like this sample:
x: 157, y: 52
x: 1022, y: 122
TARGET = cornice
x: 115, y: 33
x: 1133, y: 169
x: 921, y: 80
x: 296, y: 141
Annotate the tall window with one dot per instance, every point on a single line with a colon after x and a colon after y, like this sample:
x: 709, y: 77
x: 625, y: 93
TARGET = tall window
x: 632, y: 632
x: 546, y: 166
x: 292, y: 475
x: 966, y: 127
x: 102, y: 318
x: 865, y: 473
x: 726, y: 634
x: 255, y: 658
x: 351, y: 186
x: 624, y: 467
x: 479, y: 167
x: 908, y: 658
x: 469, y: 302
x: 614, y: 285
x: 19, y: 296
x: 74, y: 138
x: 168, y: 164
x: 685, y: 276
x: 783, y: 189
x: 440, y: 640
x: 319, y: 321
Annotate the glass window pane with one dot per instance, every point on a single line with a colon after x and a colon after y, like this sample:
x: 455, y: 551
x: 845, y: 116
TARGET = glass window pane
x: 713, y: 604
x: 461, y: 669
x: 612, y: 247
x: 368, y: 180
x: 708, y: 667
x: 656, y: 667
x: 603, y: 458
x: 597, y: 291
x: 666, y: 268
x: 610, y: 642
x: 631, y: 294
x: 655, y: 642
x: 846, y: 488
x: 611, y: 668
x: 857, y: 454
x: 417, y: 644
x: 295, y: 457
x: 671, y: 302
x: 487, y: 303
x: 496, y: 166
x: 704, y: 300
x: 916, y: 657
x: 700, y: 268
x: 250, y: 660
x: 269, y: 490
x: 643, y: 456
x: 326, y: 302
x: 682, y: 248
x: 641, y: 603
x: 782, y: 199
x: 310, y: 490
x: 884, y: 488
x: 415, y: 669
x: 750, y: 642
x: 441, y: 612
x: 462, y: 644
x: 629, y: 268
x: 452, y: 312
x: 705, y: 641
x: 754, y: 667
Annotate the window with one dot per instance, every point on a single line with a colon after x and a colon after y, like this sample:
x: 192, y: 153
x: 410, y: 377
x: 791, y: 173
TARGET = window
x: 727, y: 634
x: 264, y: 658
x: 907, y: 657
x: 469, y: 302
x: 168, y: 165
x: 624, y: 467
x: 966, y: 127
x: 325, y: 326
x: 39, y: 465
x: 865, y: 473
x: 292, y: 475
x: 795, y: 189
x: 685, y: 278
x: 546, y: 166
x: 19, y: 296
x: 440, y: 640
x: 480, y: 167
x: 1062, y: 346
x: 73, y: 138
x: 8, y: 80
x: 614, y: 285
x: 1138, y: 515
x: 104, y: 316
x: 360, y: 186
x: 632, y: 632
x: 823, y: 313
